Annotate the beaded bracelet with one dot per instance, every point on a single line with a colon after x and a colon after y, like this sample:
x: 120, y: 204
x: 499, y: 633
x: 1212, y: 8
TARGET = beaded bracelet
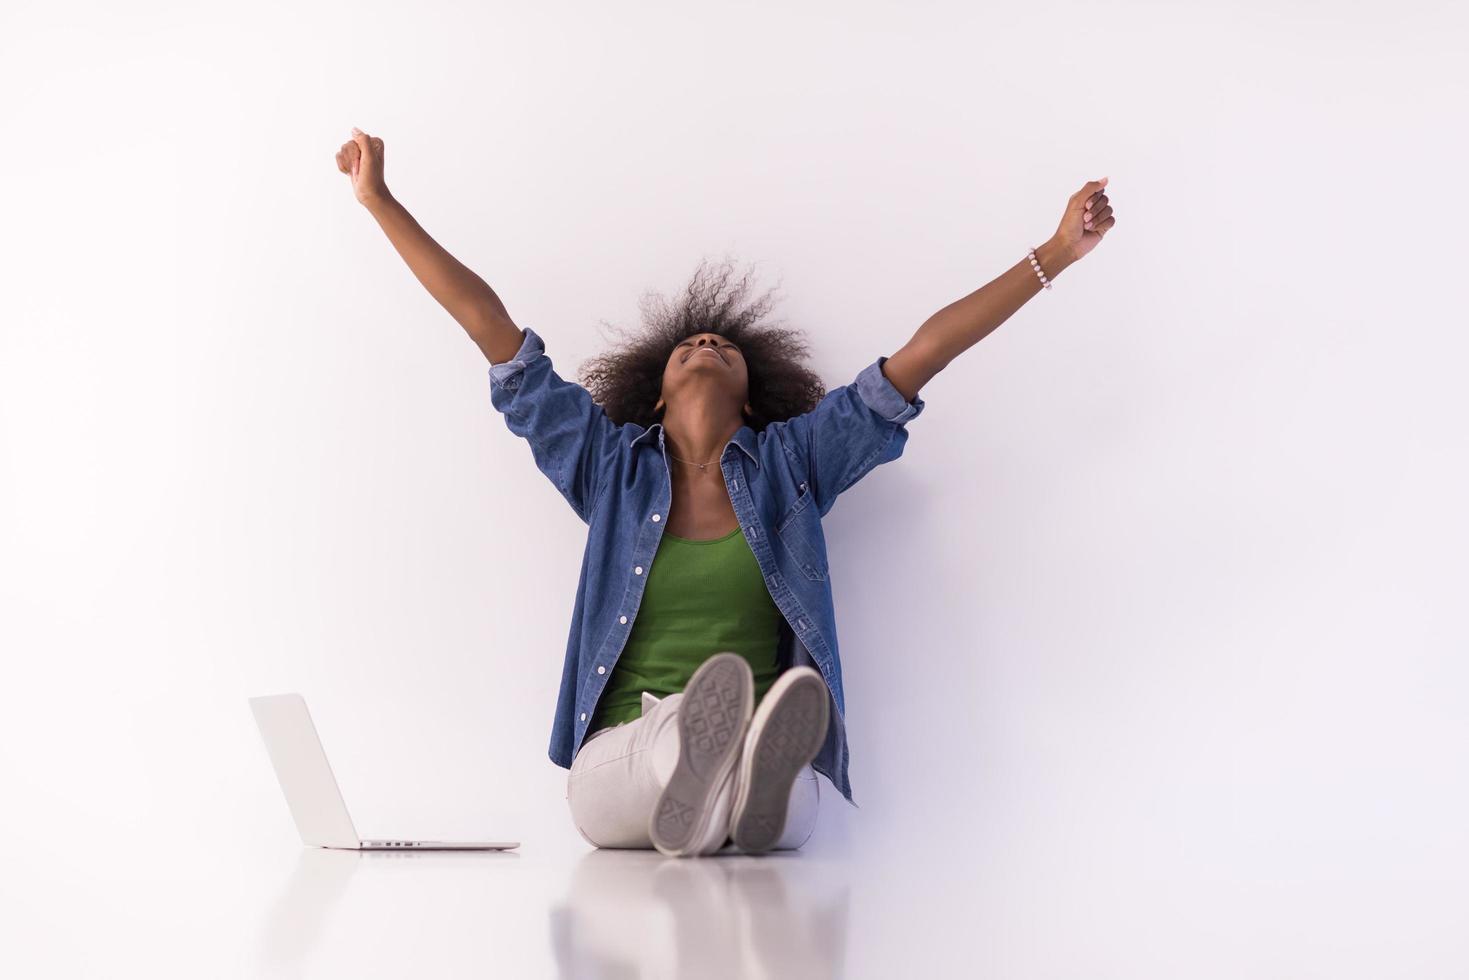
x: 1037, y: 267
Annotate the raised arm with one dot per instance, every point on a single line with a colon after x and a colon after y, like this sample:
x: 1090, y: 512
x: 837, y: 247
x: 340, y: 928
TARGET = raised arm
x: 965, y: 322
x: 466, y: 296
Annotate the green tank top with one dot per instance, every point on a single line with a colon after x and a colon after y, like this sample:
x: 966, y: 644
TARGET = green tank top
x: 702, y: 597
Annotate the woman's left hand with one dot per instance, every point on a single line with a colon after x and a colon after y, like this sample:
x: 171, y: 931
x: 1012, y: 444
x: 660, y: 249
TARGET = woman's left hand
x: 1088, y: 217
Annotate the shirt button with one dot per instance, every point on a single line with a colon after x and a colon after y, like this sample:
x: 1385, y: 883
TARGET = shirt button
x: 622, y: 619
x: 601, y: 670
x: 638, y: 570
x: 583, y: 716
x: 655, y: 518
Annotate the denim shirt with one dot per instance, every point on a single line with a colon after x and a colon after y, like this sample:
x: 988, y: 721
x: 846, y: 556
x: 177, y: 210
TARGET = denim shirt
x: 781, y: 480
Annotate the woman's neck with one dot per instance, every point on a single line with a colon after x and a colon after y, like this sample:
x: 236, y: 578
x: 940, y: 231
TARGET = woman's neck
x: 699, y: 433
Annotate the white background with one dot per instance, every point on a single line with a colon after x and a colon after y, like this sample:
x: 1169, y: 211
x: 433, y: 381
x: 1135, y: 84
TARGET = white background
x: 1154, y: 639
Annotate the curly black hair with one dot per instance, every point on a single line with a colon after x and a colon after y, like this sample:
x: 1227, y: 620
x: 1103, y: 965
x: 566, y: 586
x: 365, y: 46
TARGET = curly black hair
x: 627, y: 381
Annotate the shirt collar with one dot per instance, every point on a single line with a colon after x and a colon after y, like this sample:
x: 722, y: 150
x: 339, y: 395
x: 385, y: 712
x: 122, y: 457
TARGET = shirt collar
x: 745, y: 438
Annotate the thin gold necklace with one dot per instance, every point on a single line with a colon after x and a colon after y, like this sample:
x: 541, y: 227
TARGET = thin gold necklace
x: 701, y: 466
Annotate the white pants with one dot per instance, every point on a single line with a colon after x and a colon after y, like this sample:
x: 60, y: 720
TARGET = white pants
x: 619, y: 772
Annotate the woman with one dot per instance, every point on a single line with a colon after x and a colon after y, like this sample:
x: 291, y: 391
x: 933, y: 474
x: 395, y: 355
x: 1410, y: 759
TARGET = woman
x: 702, y: 688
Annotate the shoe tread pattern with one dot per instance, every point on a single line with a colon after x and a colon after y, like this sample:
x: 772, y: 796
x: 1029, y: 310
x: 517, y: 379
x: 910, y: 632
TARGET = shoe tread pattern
x: 789, y: 739
x: 716, y: 707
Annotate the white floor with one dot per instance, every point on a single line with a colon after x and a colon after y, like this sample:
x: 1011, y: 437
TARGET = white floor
x: 1081, y: 901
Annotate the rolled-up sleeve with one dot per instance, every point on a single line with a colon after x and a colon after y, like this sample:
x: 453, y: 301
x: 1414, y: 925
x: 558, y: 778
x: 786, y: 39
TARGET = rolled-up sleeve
x: 852, y: 430
x: 571, y: 438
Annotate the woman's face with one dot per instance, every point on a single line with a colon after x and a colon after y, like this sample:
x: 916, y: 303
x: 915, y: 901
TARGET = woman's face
x: 704, y: 361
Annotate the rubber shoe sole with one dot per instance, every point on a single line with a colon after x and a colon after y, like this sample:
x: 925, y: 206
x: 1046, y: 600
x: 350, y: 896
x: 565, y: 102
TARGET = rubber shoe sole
x: 785, y: 734
x: 717, y: 704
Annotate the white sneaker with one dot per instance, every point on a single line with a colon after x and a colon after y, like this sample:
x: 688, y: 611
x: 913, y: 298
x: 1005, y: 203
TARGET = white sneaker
x: 694, y: 808
x: 785, y: 734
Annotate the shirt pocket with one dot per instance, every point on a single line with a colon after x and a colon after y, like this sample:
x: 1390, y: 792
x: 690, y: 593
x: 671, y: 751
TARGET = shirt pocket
x: 800, y: 533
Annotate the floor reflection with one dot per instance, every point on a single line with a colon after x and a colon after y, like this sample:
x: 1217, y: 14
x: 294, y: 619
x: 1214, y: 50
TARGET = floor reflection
x: 299, y: 914
x: 296, y: 920
x: 639, y: 914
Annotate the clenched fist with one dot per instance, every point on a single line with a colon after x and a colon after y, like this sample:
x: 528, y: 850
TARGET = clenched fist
x: 1087, y: 218
x: 361, y: 158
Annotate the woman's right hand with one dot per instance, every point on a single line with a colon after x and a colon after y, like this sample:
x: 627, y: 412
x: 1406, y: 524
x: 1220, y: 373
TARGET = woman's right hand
x: 361, y: 158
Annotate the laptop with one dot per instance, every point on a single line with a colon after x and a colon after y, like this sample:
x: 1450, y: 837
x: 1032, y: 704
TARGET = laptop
x: 311, y: 789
